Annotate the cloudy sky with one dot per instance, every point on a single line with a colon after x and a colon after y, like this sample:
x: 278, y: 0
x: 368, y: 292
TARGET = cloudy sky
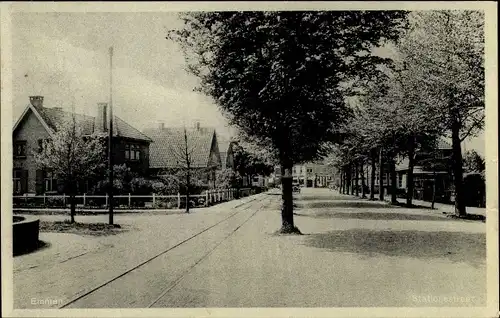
x: 64, y: 57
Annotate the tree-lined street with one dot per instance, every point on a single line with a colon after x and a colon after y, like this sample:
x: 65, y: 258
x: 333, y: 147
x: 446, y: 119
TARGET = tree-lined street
x: 350, y: 248
x: 345, y: 180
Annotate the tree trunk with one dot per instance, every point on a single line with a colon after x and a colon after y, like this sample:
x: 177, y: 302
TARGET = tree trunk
x: 433, y: 188
x: 344, y: 181
x: 288, y: 225
x: 381, y: 175
x: 348, y: 180
x: 353, y: 179
x: 372, y: 181
x: 409, y: 182
x: 341, y: 181
x: 188, y: 183
x: 363, y: 194
x: 460, y: 209
x: 394, y: 197
x: 356, y: 177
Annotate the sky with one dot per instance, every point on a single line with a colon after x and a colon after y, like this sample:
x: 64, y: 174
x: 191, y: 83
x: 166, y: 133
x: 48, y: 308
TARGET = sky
x: 65, y: 58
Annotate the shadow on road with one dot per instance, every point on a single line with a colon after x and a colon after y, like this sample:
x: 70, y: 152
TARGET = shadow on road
x: 454, y: 246
x: 375, y: 216
x: 344, y: 204
x: 327, y: 197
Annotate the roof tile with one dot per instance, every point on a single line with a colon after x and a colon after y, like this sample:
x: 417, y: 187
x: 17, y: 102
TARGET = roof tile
x: 168, y: 146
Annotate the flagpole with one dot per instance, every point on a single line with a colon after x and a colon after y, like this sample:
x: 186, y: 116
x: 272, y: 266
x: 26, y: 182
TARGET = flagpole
x: 110, y: 138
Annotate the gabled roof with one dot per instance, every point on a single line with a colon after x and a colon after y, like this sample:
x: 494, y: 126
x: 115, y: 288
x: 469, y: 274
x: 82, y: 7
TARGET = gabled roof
x: 168, y: 144
x: 225, y: 147
x: 51, y: 117
x: 223, y: 158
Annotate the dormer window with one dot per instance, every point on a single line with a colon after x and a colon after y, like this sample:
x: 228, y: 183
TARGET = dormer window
x: 132, y: 152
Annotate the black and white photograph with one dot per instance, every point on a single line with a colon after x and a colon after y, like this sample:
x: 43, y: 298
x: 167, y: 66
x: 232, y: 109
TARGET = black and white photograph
x: 239, y: 159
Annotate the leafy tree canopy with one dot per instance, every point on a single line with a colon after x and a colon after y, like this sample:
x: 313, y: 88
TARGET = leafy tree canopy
x: 278, y: 75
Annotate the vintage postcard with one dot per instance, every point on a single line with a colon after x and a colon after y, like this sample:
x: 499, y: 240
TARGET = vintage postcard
x: 241, y: 159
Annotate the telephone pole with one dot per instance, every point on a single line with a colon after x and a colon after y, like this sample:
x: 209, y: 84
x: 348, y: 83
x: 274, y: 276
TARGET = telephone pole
x: 110, y: 138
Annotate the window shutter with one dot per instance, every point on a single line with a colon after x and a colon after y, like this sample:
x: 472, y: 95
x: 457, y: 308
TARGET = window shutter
x: 39, y: 186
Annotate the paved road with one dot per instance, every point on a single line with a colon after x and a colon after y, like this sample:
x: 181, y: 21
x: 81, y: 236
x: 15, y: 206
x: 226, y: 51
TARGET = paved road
x: 354, y: 253
x: 71, y: 265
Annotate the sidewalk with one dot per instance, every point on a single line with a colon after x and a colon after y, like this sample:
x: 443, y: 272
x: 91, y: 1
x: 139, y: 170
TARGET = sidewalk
x: 60, y: 271
x: 441, y: 207
x: 341, y: 261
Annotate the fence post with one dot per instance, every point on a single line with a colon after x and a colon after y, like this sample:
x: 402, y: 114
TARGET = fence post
x: 64, y: 199
x: 154, y: 199
x: 106, y: 205
x: 206, y: 197
x: 84, y: 201
x: 129, y: 200
x: 178, y: 200
x: 44, y: 197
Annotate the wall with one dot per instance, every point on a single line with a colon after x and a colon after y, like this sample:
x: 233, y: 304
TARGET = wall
x: 30, y: 129
x: 139, y: 166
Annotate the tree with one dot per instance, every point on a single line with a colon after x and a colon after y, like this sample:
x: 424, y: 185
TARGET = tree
x: 277, y: 75
x: 227, y: 178
x: 122, y: 179
x: 72, y: 157
x: 446, y: 52
x: 183, y: 153
x: 250, y: 162
x: 473, y: 162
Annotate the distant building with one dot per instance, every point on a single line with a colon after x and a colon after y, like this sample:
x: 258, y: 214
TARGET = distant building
x: 38, y: 123
x: 310, y: 175
x: 423, y: 175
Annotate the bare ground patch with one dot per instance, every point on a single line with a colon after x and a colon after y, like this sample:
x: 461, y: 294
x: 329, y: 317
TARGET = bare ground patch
x: 93, y: 229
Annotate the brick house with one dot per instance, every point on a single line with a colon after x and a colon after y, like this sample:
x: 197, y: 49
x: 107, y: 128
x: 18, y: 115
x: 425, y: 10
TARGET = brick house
x: 166, y: 150
x: 38, y: 123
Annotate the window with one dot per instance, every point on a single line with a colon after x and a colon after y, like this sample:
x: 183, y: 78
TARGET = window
x: 41, y: 144
x: 400, y: 180
x: 310, y: 170
x: 20, y: 148
x: 132, y: 152
x: 49, y: 182
x: 16, y: 178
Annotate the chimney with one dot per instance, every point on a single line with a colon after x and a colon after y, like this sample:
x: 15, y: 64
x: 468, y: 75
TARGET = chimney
x: 101, y: 120
x: 161, y: 125
x: 36, y: 101
x: 197, y: 125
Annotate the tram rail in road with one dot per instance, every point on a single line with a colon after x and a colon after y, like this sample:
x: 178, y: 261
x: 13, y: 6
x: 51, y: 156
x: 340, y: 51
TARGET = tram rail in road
x: 145, y: 283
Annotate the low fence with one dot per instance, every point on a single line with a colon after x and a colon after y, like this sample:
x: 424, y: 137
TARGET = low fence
x: 129, y: 201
